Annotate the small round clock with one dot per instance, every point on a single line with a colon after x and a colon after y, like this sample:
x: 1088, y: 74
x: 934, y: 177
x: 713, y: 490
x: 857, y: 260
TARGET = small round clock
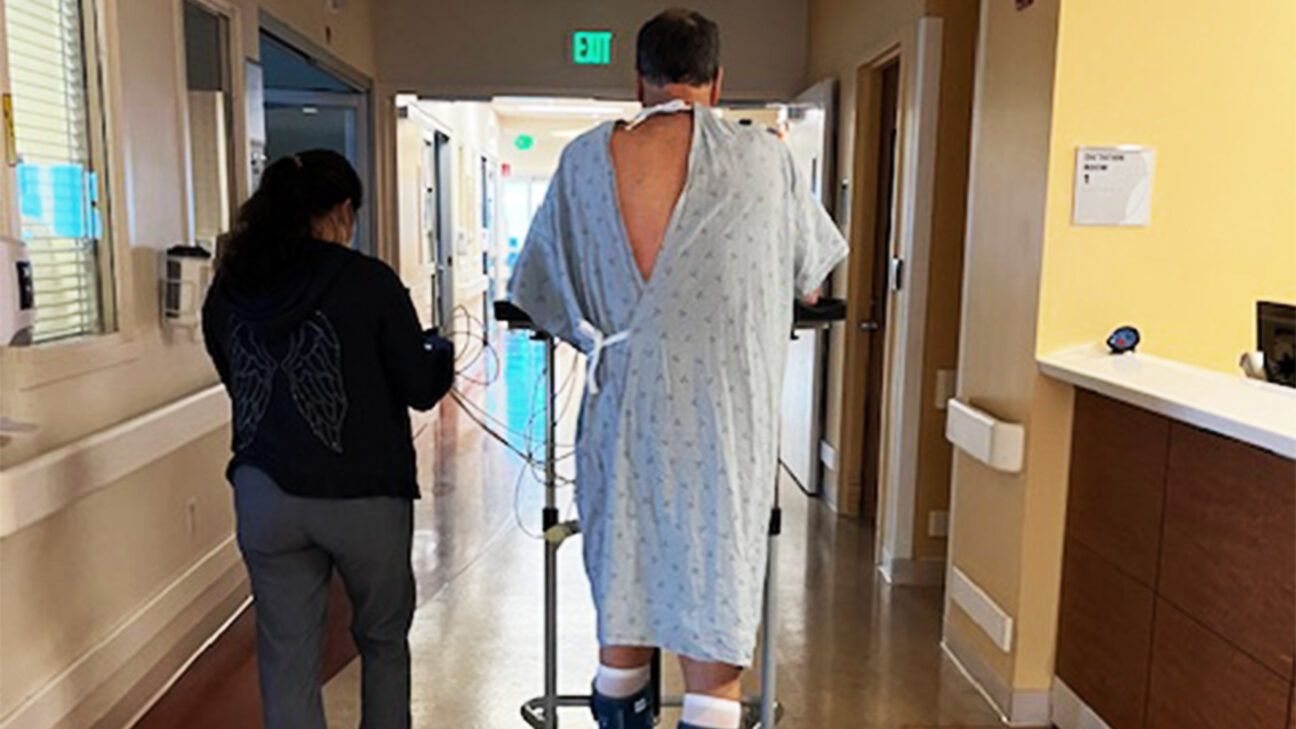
x: 1125, y: 339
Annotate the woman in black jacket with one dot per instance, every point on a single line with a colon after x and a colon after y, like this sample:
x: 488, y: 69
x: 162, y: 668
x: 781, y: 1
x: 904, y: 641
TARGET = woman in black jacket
x: 322, y: 354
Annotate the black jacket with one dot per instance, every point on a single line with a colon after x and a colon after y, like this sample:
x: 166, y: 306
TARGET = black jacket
x: 322, y: 371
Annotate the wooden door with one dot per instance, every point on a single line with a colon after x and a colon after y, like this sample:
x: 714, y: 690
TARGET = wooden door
x: 873, y: 287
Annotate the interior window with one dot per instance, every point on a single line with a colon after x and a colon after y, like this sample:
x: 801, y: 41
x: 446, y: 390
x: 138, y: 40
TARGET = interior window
x: 54, y: 76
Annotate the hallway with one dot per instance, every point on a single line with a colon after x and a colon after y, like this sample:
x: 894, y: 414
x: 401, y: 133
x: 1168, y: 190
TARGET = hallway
x: 1059, y: 377
x: 854, y: 652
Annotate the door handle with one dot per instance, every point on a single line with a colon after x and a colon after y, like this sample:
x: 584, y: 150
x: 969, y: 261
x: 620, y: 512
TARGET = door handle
x: 870, y: 326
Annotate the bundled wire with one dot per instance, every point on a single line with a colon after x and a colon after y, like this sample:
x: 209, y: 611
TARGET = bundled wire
x: 483, y: 349
x: 479, y: 363
x: 471, y: 330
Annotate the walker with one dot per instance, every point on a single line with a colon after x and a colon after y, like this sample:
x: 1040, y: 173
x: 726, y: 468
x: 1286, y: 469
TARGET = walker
x: 761, y: 711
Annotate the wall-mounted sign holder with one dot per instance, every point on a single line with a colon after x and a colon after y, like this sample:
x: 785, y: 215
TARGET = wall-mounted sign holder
x: 1113, y: 185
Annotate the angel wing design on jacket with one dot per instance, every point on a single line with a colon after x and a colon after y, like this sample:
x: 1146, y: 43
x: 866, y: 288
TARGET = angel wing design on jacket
x: 252, y: 382
x: 314, y: 369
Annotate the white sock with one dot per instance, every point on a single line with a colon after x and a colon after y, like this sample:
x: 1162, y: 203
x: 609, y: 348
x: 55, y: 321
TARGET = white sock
x: 621, y: 683
x: 711, y: 712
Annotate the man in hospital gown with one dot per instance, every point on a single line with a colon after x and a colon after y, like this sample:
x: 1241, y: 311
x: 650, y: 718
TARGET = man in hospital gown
x: 670, y: 250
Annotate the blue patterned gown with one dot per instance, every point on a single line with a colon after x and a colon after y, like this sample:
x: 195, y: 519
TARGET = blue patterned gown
x: 678, y: 446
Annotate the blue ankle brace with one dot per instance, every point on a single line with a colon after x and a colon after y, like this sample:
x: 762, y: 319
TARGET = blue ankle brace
x: 632, y: 712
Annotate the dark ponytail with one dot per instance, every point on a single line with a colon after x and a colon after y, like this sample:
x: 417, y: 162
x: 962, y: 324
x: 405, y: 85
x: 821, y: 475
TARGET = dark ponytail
x: 274, y: 224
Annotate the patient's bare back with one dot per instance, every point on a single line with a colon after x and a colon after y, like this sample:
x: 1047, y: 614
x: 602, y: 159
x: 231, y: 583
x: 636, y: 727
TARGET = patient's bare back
x: 651, y: 166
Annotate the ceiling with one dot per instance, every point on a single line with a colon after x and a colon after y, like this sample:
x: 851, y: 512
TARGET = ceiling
x: 563, y: 109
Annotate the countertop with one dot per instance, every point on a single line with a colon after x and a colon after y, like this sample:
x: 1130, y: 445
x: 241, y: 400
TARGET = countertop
x: 1259, y: 413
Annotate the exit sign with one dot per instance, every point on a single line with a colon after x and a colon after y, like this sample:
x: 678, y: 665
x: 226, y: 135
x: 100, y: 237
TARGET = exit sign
x: 592, y: 47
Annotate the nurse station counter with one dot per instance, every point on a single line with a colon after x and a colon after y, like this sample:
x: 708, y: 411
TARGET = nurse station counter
x: 1178, y: 603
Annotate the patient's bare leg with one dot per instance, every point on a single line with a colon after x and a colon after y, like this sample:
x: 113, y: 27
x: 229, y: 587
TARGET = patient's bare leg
x: 714, y: 694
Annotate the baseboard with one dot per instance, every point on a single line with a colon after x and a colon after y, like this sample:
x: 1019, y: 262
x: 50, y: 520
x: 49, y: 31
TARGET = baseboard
x: 827, y: 455
x: 982, y: 609
x: 1024, y: 708
x: 1071, y: 712
x: 110, y: 682
x: 912, y: 572
x: 179, y: 658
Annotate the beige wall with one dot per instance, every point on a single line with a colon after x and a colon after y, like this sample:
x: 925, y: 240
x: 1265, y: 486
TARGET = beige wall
x: 69, y: 580
x: 486, y: 48
x: 1007, y: 529
x: 944, y: 283
x: 552, y: 134
x: 541, y: 160
x: 474, y: 132
x: 844, y: 35
x: 64, y: 387
x: 348, y: 34
x: 473, y: 128
x: 97, y: 574
x: 416, y: 265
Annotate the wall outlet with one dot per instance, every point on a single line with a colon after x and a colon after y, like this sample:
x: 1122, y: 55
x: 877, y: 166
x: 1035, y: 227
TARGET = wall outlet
x: 191, y: 516
x: 827, y: 455
x: 938, y: 524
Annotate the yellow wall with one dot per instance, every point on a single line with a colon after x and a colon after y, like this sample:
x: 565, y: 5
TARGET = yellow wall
x: 1211, y: 86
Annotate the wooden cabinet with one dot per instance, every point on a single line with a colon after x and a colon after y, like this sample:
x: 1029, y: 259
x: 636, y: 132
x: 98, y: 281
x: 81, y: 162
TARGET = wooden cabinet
x: 1178, y: 604
x: 1117, y: 490
x: 1104, y: 637
x: 1200, y: 681
x: 1229, y: 558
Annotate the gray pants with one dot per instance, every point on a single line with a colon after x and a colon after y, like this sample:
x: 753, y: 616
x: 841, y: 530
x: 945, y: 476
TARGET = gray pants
x: 291, y: 545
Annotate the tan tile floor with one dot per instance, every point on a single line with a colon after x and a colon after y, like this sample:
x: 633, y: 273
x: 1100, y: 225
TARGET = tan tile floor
x: 853, y: 651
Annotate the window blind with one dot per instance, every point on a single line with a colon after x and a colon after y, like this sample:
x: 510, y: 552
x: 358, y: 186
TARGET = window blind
x: 57, y: 184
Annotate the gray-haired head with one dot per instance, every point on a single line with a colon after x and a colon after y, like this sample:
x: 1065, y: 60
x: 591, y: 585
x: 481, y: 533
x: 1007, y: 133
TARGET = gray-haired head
x: 678, y: 46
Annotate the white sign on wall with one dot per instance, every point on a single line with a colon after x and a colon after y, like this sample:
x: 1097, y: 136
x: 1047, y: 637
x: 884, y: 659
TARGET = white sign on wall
x: 1113, y: 185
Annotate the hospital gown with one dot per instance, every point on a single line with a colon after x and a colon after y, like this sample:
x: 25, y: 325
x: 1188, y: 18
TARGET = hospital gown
x: 677, y: 450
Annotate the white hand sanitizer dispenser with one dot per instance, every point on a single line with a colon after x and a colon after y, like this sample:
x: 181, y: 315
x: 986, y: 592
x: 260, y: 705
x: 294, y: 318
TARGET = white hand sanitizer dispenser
x: 186, y: 274
x: 17, y: 294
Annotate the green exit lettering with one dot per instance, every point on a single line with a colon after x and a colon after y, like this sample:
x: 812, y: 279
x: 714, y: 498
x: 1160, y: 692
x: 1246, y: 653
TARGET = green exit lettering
x: 592, y: 47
